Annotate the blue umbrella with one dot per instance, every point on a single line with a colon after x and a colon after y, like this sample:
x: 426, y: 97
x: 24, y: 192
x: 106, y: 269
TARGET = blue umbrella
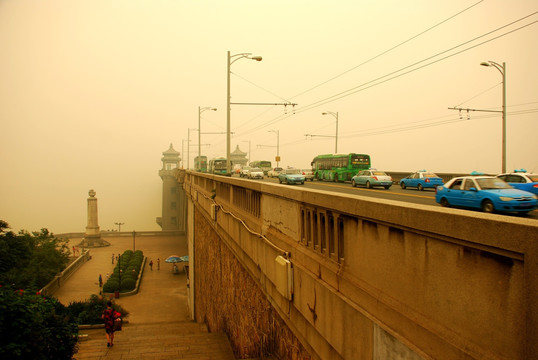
x: 177, y: 259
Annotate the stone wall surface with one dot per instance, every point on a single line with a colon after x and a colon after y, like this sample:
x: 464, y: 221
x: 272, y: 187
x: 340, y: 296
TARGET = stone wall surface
x: 234, y: 304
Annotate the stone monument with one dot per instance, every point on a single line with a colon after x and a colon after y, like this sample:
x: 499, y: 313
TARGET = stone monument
x: 92, y: 237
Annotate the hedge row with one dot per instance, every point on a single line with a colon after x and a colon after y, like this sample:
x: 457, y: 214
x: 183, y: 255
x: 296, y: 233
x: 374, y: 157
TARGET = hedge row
x: 129, y: 266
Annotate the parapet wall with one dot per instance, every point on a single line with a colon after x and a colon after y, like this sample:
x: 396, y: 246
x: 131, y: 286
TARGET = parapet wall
x: 367, y: 279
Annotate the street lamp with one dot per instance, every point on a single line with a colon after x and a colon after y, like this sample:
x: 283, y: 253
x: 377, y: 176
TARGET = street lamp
x: 200, y: 111
x: 335, y: 114
x: 502, y: 70
x: 230, y: 62
x: 119, y: 225
x: 277, y: 132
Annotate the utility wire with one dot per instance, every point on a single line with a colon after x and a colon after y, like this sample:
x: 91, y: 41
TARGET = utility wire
x: 388, y: 77
x: 387, y: 51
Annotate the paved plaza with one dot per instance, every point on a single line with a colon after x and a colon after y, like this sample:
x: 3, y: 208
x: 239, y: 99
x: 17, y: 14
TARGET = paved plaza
x: 158, y: 326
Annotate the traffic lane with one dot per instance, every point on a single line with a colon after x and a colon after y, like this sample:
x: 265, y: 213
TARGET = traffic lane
x: 424, y: 197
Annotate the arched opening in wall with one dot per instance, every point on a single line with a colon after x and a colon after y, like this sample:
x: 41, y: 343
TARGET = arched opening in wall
x: 323, y: 232
x: 340, y: 239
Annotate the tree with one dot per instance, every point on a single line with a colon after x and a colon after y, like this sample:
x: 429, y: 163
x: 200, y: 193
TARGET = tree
x: 30, y: 260
x: 33, y: 326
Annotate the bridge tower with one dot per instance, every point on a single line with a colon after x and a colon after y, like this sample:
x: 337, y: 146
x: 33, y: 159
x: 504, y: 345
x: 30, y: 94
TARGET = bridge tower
x: 173, y: 198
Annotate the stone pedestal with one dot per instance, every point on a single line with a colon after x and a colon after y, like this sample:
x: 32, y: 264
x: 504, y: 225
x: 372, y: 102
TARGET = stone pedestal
x: 92, y: 237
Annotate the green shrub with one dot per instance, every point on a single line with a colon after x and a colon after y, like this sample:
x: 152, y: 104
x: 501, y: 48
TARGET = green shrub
x: 35, y: 327
x: 128, y: 284
x: 111, y: 285
x: 90, y: 311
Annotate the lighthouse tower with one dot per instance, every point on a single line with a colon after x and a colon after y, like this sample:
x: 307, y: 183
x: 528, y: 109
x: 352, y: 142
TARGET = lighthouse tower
x: 172, y: 217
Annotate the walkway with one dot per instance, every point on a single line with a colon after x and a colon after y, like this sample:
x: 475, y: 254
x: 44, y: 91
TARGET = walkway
x: 159, y: 326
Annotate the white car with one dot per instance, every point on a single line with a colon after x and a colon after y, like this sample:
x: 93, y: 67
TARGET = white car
x: 255, y: 173
x: 274, y: 172
x: 244, y: 171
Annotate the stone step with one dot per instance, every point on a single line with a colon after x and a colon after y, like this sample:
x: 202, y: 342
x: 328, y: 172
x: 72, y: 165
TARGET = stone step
x: 176, y: 340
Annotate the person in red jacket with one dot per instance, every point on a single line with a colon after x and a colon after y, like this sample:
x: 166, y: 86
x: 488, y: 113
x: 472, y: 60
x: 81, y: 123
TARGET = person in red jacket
x: 110, y: 315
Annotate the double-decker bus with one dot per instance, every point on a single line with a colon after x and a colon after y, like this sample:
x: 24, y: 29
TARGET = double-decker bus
x: 339, y: 167
x: 265, y: 165
x: 218, y: 167
x: 200, y: 163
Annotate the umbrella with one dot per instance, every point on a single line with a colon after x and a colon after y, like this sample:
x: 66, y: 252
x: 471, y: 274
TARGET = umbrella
x: 177, y: 259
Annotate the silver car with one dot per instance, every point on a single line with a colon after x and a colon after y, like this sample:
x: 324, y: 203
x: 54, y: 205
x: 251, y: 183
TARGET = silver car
x: 371, y: 178
x: 255, y: 173
x: 308, y: 174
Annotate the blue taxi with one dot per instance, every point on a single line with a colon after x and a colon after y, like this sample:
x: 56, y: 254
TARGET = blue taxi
x: 488, y: 193
x: 421, y: 180
x: 522, y: 180
x: 291, y: 176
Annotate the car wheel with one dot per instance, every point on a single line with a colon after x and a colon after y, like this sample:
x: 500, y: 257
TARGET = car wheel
x: 368, y: 185
x: 420, y: 187
x: 386, y: 187
x: 444, y: 202
x: 487, y: 206
x: 353, y: 183
x: 402, y: 185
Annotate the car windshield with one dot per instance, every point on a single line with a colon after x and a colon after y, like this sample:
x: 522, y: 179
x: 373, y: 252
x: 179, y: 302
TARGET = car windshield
x: 255, y: 170
x: 533, y: 177
x: 379, y: 173
x: 429, y: 175
x: 293, y: 171
x: 492, y: 183
x: 278, y: 169
x: 308, y: 171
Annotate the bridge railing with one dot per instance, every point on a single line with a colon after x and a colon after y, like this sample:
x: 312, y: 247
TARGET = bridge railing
x: 378, y: 275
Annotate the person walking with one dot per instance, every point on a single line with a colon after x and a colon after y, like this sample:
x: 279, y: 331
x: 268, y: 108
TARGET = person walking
x: 110, y: 315
x: 151, y: 265
x: 158, y: 263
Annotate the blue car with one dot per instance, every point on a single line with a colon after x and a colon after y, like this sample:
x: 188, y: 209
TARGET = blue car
x: 421, y: 180
x: 522, y: 180
x: 488, y: 193
x: 291, y: 176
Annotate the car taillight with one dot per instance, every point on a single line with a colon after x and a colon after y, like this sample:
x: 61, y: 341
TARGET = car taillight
x: 535, y: 185
x: 375, y: 178
x: 427, y: 180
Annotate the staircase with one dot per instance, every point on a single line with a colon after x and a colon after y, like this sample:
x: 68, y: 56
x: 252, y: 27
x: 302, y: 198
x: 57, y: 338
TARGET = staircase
x: 169, y: 340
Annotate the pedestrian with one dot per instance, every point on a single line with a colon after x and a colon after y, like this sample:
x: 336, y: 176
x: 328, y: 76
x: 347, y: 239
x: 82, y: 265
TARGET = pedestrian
x: 110, y: 315
x: 112, y: 258
x: 100, y: 281
x: 74, y: 252
x: 151, y: 265
x: 158, y: 263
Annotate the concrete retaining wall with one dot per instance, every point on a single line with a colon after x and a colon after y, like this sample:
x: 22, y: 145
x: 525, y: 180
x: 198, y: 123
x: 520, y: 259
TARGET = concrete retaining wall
x: 371, y: 278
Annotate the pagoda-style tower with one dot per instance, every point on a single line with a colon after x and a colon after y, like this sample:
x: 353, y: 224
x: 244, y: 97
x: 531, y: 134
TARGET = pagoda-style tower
x: 238, y: 157
x: 172, y: 212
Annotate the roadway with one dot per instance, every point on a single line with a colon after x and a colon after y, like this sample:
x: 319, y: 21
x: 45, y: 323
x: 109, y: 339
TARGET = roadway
x: 425, y: 197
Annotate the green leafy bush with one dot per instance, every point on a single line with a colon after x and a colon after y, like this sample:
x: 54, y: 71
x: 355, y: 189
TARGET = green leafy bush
x: 128, y: 284
x: 130, y: 264
x: 35, y: 327
x: 90, y: 311
x: 111, y: 285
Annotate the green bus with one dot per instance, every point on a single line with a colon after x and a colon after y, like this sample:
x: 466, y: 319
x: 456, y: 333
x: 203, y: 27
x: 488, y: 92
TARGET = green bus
x: 218, y: 167
x: 200, y: 163
x: 265, y: 165
x: 339, y: 167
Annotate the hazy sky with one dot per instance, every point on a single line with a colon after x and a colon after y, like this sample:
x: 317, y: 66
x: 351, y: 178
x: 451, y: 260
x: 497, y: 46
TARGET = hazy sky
x: 92, y: 92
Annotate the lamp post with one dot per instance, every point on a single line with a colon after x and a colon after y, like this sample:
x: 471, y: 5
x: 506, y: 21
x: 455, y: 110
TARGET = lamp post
x: 335, y: 114
x: 229, y: 64
x: 502, y: 70
x: 200, y: 111
x: 277, y: 132
x: 119, y: 225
